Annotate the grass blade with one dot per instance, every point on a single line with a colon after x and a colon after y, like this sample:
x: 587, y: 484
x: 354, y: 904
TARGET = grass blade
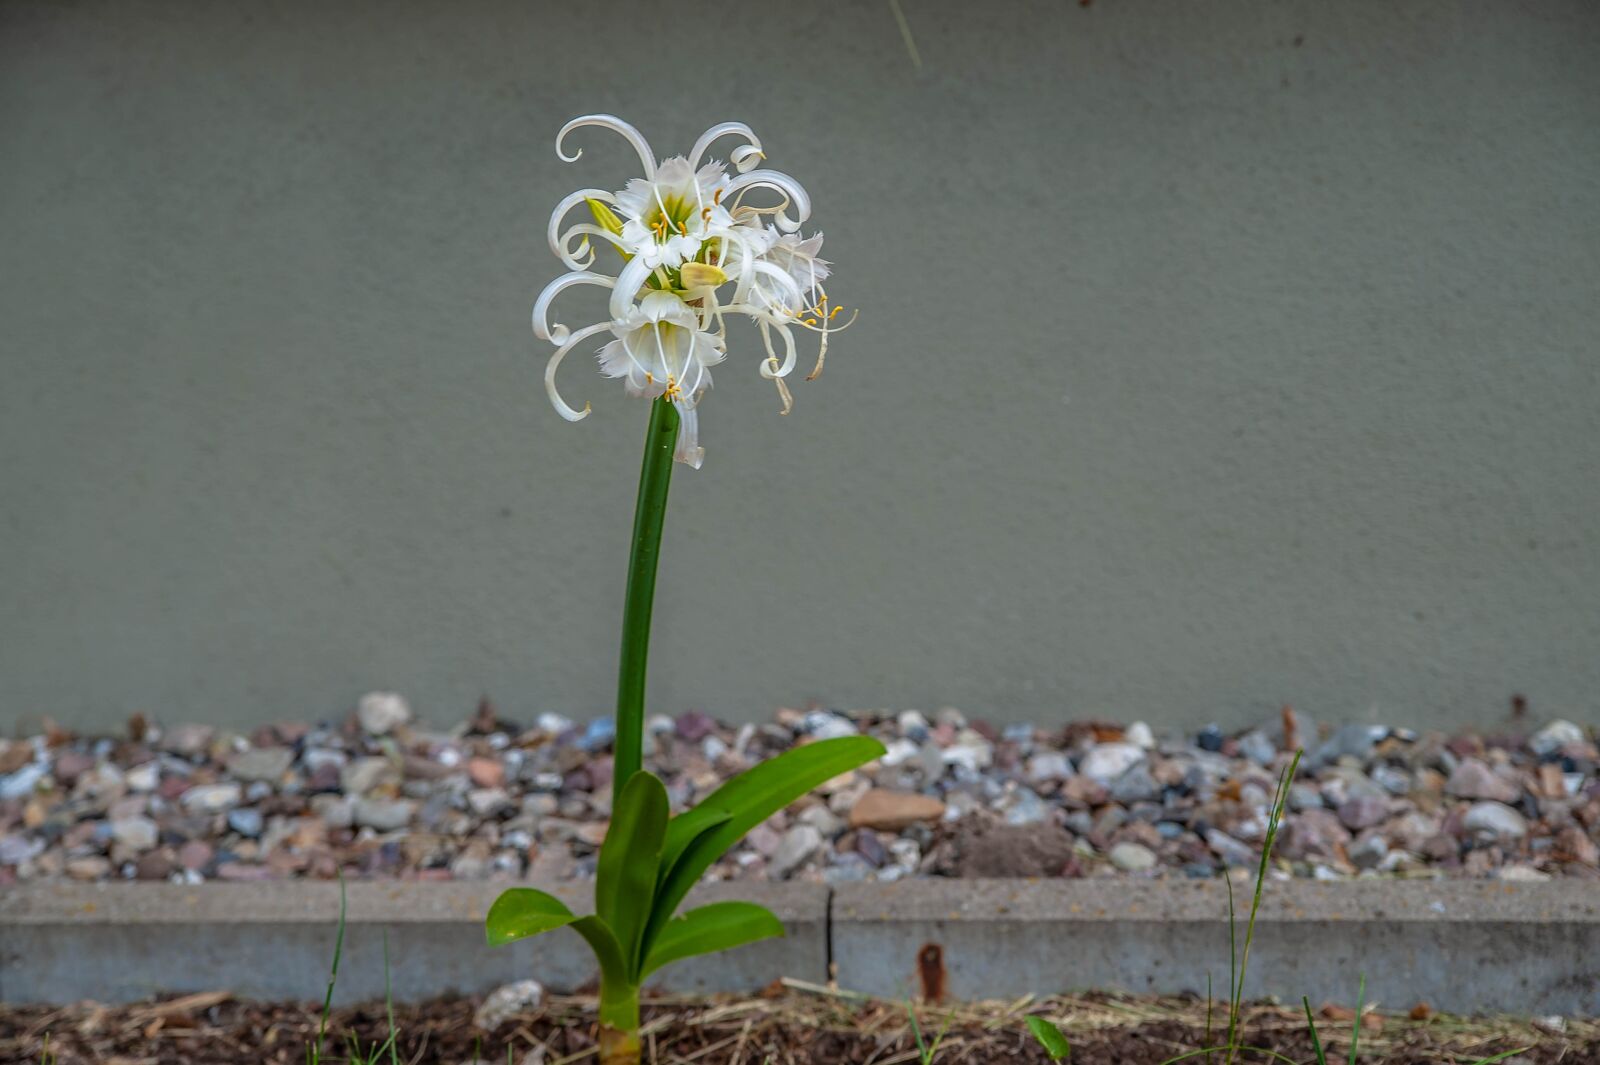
x: 1311, y: 1026
x: 1355, y: 1032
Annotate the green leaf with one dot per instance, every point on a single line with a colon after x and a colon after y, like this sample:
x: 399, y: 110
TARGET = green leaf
x: 625, y: 878
x: 740, y: 805
x: 706, y: 929
x: 1049, y: 1036
x: 1311, y: 1026
x: 614, y: 967
x: 522, y: 912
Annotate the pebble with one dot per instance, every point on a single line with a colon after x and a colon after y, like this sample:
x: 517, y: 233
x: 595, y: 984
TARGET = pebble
x: 1106, y: 762
x: 1368, y: 852
x: 385, y: 815
x: 1349, y: 741
x: 135, y: 833
x: 488, y: 801
x: 195, y: 855
x: 212, y: 798
x: 1132, y: 857
x: 144, y: 778
x: 23, y: 781
x: 267, y: 764
x: 380, y: 713
x: 1363, y: 811
x: 505, y: 1002
x: 1554, y: 737
x: 1136, y: 785
x: 1140, y: 736
x: 1257, y: 746
x: 93, y: 867
x: 1047, y: 766
x: 246, y: 821
x: 1473, y: 779
x: 365, y: 774
x: 891, y: 811
x: 1496, y: 820
x: 1026, y: 808
x: 798, y: 844
x: 486, y: 772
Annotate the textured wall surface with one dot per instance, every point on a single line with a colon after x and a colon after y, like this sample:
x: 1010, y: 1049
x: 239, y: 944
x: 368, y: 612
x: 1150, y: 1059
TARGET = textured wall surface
x: 1212, y: 356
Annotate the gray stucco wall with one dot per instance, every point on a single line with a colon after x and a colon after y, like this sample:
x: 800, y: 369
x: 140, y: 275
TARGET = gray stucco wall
x: 1212, y: 356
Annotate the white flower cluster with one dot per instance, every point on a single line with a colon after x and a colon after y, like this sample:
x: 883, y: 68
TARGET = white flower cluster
x: 684, y: 233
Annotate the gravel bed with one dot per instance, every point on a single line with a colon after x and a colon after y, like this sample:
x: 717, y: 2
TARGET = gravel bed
x: 780, y: 1028
x: 381, y: 795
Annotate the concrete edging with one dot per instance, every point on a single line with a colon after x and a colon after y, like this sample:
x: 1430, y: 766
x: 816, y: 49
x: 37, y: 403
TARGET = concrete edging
x: 1459, y: 945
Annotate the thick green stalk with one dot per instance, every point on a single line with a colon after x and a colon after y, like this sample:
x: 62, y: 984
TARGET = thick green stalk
x: 655, y: 476
x: 619, y: 1024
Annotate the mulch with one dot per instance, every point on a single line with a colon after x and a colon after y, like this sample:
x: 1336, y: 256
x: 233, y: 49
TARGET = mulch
x: 795, y: 1024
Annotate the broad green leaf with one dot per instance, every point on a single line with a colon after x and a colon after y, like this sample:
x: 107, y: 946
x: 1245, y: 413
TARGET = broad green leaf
x: 614, y: 968
x: 522, y: 912
x: 625, y: 878
x: 745, y: 801
x: 707, y: 929
x: 1049, y: 1036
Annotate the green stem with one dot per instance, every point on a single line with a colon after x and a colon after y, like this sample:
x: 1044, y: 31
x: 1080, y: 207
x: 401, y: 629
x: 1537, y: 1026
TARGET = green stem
x: 655, y: 476
x: 619, y: 1024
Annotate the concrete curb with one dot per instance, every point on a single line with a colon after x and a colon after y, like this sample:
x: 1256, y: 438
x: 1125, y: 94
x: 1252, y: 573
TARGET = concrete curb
x: 1463, y: 946
x: 114, y: 942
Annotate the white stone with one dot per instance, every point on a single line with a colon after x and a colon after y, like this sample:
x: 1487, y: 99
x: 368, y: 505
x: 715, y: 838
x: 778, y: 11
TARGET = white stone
x: 267, y: 764
x: 798, y: 844
x: 897, y: 752
x: 1048, y: 765
x: 1139, y: 735
x: 1108, y: 761
x: 1553, y: 737
x: 911, y: 720
x: 1495, y: 819
x: 504, y: 1003
x: 382, y: 712
x: 143, y: 778
x: 821, y: 725
x: 212, y: 798
x: 135, y: 833
x: 486, y: 801
x: 1132, y: 857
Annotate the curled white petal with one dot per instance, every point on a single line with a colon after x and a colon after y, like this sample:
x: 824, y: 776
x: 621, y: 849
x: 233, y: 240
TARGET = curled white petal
x: 785, y: 184
x: 550, y: 368
x: 689, y: 452
x: 615, y: 124
x: 569, y: 255
x: 628, y: 282
x: 749, y: 153
x: 553, y: 232
x: 788, y: 355
x: 558, y: 333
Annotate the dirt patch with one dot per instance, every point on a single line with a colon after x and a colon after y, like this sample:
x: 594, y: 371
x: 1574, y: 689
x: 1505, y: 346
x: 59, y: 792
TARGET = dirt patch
x: 782, y: 1028
x: 987, y: 848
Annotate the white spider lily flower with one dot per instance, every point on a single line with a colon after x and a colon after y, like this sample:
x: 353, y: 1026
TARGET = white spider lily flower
x: 682, y: 231
x: 660, y: 350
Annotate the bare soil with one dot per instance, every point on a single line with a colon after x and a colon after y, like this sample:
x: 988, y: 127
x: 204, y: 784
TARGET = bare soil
x: 785, y: 1027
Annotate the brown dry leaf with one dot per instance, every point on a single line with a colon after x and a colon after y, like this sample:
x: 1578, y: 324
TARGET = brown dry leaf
x: 1421, y: 1011
x: 1335, y: 1012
